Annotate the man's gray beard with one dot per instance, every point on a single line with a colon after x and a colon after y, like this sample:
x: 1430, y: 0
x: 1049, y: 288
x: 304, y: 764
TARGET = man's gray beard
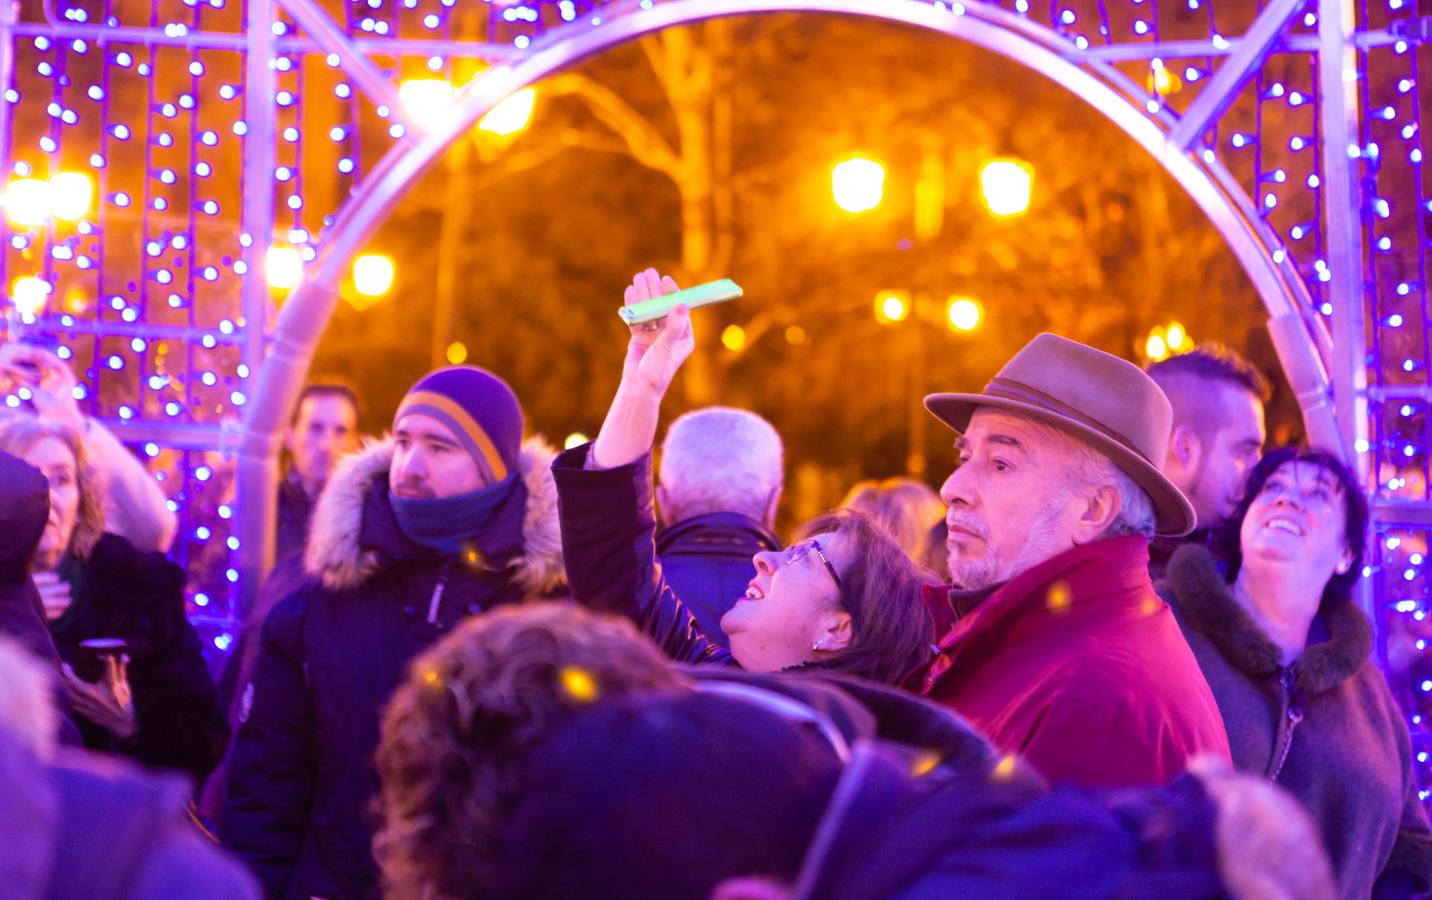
x: 1039, y: 545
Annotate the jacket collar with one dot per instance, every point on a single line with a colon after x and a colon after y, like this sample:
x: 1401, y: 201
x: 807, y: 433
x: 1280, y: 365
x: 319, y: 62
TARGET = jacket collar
x: 1073, y: 580
x: 729, y: 530
x: 354, y: 532
x: 1208, y: 604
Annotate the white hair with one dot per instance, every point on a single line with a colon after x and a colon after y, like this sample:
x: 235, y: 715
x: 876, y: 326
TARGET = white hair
x: 1087, y: 469
x: 720, y: 459
x: 27, y: 711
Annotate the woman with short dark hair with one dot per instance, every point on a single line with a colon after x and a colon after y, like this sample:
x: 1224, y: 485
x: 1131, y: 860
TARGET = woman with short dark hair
x: 844, y: 597
x: 1285, y: 651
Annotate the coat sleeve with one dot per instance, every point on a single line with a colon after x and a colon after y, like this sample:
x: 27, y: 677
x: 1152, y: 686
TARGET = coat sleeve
x: 1093, y: 746
x: 176, y: 706
x: 135, y: 508
x: 608, y: 541
x: 273, y: 769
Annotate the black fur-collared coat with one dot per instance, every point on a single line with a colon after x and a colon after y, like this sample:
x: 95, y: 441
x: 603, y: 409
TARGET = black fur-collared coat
x: 302, y: 775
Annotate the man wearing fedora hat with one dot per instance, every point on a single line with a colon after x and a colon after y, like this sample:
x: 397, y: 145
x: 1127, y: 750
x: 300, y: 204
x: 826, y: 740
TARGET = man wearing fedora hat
x: 1055, y: 643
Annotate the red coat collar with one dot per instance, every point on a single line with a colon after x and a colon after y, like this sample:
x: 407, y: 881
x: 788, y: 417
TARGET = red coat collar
x: 1075, y: 578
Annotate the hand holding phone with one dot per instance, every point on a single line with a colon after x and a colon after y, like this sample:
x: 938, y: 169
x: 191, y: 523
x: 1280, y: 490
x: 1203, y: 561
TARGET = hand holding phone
x: 658, y: 306
x: 658, y: 346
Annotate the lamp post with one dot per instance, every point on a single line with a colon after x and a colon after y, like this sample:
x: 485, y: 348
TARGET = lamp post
x: 857, y: 186
x: 432, y: 99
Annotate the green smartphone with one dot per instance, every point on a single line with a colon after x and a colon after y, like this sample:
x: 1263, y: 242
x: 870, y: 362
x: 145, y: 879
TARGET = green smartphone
x: 701, y: 295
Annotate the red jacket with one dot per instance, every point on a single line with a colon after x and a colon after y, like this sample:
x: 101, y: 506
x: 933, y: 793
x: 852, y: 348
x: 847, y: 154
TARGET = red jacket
x: 1079, y: 667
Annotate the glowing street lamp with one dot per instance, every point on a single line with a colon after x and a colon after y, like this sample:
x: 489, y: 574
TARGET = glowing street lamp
x: 1007, y: 185
x: 1164, y: 81
x: 892, y: 307
x: 428, y: 100
x: 27, y: 202
x: 857, y: 184
x: 1156, y: 348
x: 373, y: 274
x: 457, y: 353
x: 511, y: 115
x: 964, y: 313
x: 733, y: 338
x: 575, y: 439
x: 71, y: 194
x: 30, y: 294
x: 283, y: 267
x: 1175, y: 337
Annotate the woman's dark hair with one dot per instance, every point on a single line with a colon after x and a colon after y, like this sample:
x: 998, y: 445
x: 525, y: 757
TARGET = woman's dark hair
x: 1355, y: 514
x: 883, y: 590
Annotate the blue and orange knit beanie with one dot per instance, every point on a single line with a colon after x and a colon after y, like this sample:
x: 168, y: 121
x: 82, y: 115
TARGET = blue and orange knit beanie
x: 480, y: 409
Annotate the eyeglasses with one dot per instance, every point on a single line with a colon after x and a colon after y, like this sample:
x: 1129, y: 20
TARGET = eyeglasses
x: 798, y: 551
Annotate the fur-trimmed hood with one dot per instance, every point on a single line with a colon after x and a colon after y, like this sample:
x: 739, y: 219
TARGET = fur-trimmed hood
x: 1207, y: 603
x: 336, y: 557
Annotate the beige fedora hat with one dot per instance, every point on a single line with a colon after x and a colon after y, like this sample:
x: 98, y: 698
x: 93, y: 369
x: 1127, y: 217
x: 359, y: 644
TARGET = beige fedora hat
x: 1106, y: 401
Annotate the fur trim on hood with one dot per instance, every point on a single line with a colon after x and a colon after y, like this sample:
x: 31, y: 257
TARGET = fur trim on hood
x: 334, y: 556
x: 1207, y: 602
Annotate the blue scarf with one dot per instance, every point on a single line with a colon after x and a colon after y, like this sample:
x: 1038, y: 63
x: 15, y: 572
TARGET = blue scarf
x: 451, y: 524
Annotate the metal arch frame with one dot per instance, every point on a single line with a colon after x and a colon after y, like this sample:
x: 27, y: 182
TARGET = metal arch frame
x: 1301, y: 343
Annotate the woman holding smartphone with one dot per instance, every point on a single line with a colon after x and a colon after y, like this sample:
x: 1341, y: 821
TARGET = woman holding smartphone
x: 135, y: 674
x: 843, y: 597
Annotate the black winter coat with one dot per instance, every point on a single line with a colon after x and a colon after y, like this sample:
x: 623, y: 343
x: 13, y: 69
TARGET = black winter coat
x: 302, y: 776
x: 608, y: 526
x: 707, y: 561
x: 118, y: 591
x: 24, y: 510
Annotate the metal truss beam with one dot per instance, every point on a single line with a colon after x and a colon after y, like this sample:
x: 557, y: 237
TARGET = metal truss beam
x: 1222, y: 89
x: 368, y: 77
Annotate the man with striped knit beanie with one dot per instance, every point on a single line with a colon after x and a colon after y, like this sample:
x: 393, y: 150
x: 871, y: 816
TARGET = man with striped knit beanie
x: 449, y: 516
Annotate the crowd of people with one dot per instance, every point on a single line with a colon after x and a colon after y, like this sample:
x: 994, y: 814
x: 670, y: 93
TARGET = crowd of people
x: 1117, y: 655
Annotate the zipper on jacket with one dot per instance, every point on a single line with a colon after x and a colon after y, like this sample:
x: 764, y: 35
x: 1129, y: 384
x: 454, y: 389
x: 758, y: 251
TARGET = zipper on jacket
x: 437, y: 600
x: 1294, y: 716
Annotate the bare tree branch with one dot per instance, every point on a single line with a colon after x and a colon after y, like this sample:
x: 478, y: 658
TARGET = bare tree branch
x: 645, y: 143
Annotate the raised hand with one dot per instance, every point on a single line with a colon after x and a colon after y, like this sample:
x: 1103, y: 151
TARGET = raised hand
x: 54, y: 395
x: 657, y: 349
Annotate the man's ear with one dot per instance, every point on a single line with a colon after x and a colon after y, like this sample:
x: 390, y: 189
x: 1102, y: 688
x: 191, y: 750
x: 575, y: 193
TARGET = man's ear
x: 1184, y: 448
x: 1100, y: 509
x: 750, y: 888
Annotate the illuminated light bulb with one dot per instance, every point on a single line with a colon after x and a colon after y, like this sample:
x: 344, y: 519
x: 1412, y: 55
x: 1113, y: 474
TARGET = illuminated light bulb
x: 891, y: 306
x: 511, y: 115
x: 964, y: 313
x: 30, y: 294
x: 857, y: 184
x: 457, y: 353
x: 575, y: 439
x: 795, y: 335
x: 1176, y: 336
x: 283, y: 267
x: 429, y: 101
x: 373, y: 274
x: 1007, y: 186
x: 27, y: 202
x: 733, y: 338
x: 1155, y: 348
